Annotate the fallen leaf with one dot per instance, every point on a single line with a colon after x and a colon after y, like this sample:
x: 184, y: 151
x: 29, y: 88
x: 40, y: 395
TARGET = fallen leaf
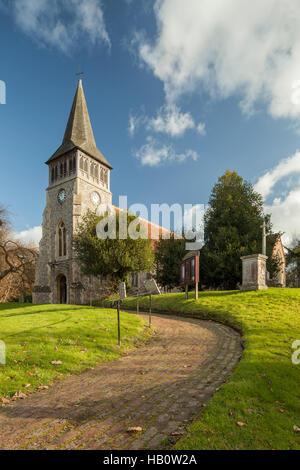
x: 135, y: 429
x: 19, y: 394
x: 56, y: 363
x: 296, y: 429
x: 4, y: 400
x: 282, y: 411
x: 177, y: 433
x: 43, y: 387
x: 240, y: 424
x: 27, y: 385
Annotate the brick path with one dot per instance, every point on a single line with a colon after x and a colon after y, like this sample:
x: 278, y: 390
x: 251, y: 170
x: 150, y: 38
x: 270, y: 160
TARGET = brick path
x: 160, y: 387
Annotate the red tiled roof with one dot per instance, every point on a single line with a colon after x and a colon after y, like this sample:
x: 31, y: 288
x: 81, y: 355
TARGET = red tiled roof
x: 154, y: 231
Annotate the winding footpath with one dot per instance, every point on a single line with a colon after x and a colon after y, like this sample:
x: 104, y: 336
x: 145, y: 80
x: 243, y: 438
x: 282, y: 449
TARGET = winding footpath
x: 159, y: 387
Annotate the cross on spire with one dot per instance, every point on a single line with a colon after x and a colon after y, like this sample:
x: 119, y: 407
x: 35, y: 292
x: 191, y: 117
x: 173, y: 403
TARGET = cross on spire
x: 79, y: 74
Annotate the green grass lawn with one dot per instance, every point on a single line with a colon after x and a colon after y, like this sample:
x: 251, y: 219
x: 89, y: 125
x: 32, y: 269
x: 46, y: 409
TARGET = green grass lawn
x: 264, y: 391
x: 79, y: 337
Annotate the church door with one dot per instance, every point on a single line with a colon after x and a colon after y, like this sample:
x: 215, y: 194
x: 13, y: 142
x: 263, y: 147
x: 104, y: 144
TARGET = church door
x: 62, y: 289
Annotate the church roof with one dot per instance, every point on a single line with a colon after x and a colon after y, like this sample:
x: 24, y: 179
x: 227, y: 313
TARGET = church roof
x: 154, y: 231
x: 79, y: 133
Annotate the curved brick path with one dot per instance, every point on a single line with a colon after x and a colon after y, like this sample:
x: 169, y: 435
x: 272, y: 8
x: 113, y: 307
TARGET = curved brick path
x: 160, y: 387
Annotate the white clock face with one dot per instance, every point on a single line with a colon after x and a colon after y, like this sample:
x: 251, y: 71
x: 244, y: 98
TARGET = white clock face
x: 61, y: 196
x: 95, y: 199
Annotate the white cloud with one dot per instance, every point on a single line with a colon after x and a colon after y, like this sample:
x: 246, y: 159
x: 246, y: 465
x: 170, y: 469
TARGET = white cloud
x: 232, y: 47
x: 154, y: 154
x: 169, y: 120
x: 201, y: 128
x: 285, y: 207
x: 285, y: 215
x: 61, y: 23
x: 134, y: 123
x: 32, y: 235
x: 287, y: 167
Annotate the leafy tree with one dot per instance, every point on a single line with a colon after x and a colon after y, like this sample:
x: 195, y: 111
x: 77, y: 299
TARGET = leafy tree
x: 115, y: 258
x: 168, y: 256
x: 232, y: 228
x: 293, y: 264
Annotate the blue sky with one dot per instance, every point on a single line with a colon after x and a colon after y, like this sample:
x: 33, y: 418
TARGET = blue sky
x: 176, y: 96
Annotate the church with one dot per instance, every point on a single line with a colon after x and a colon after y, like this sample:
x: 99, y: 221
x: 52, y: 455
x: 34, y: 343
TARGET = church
x: 79, y: 179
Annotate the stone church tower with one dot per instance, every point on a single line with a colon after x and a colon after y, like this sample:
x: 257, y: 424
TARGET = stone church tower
x: 79, y: 179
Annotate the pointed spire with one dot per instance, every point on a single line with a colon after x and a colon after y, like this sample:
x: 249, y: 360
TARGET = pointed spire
x: 79, y: 133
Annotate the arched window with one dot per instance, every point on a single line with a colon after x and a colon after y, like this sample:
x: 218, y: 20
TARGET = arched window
x: 62, y: 240
x: 56, y: 173
x: 101, y: 175
x: 61, y: 170
x: 70, y: 166
x: 86, y: 166
x: 65, y: 168
x: 92, y: 169
x: 74, y: 163
x: 81, y: 163
x: 52, y: 175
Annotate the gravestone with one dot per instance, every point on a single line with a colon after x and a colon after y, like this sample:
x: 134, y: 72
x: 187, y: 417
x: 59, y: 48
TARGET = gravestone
x: 122, y: 290
x: 151, y: 287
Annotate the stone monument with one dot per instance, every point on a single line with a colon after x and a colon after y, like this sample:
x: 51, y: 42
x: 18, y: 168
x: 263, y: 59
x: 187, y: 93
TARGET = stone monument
x: 255, y: 268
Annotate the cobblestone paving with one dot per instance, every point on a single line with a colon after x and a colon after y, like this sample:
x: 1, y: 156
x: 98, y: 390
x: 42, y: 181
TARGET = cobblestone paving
x: 160, y: 387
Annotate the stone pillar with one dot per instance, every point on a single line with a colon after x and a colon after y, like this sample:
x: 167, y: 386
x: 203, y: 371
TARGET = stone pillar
x: 254, y: 272
x: 264, y: 240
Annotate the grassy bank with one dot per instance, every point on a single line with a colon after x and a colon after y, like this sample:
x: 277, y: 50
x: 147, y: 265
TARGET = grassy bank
x: 259, y: 407
x: 76, y: 338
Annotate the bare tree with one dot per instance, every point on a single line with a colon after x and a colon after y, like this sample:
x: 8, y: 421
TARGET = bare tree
x: 16, y: 258
x: 17, y: 262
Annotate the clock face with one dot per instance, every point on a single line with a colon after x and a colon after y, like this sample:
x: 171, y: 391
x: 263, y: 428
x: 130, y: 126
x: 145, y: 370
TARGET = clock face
x: 95, y: 198
x: 61, y: 196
